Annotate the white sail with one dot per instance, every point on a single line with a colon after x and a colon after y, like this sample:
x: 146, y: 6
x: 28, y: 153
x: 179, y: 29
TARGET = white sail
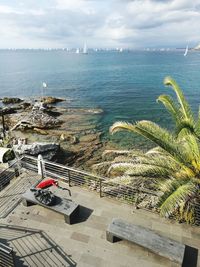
x: 44, y: 85
x: 77, y: 51
x: 186, y: 51
x: 85, y: 49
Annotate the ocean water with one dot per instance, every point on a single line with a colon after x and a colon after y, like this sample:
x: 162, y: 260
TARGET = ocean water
x: 125, y: 85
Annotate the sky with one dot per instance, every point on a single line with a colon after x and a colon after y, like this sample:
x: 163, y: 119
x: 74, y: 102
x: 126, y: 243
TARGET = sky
x: 99, y: 23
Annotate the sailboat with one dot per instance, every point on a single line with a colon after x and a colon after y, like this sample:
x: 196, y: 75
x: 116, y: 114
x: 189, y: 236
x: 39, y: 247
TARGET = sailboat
x: 77, y: 51
x: 85, y: 49
x: 186, y: 51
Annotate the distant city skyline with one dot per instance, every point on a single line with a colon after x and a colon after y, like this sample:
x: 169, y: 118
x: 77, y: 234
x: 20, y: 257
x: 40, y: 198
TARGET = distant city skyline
x: 101, y: 24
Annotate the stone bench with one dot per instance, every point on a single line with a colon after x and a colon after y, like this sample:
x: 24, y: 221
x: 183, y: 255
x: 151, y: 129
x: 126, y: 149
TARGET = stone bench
x: 184, y: 255
x: 68, y: 208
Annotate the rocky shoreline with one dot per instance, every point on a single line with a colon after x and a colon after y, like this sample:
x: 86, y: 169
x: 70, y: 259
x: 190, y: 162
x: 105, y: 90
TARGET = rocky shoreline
x: 41, y: 121
x: 66, y: 135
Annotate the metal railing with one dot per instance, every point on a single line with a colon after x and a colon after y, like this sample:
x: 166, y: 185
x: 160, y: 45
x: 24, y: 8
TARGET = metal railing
x: 74, y: 177
x: 103, y: 186
x: 6, y: 256
x: 8, y: 174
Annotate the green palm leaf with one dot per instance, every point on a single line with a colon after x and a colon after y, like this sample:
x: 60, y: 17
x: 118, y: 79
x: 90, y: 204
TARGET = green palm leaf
x: 176, y: 198
x: 197, y: 126
x: 185, y: 108
x: 148, y: 171
x: 172, y: 108
x: 154, y: 133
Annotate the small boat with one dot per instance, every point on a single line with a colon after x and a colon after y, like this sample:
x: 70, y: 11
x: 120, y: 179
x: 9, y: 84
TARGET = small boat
x: 186, y: 51
x: 44, y: 85
x: 85, y: 49
x: 77, y: 51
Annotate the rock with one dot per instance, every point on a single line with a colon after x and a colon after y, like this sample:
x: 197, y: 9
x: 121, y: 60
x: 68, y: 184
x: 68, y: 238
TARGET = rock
x: 40, y: 131
x: 14, y: 108
x: 38, y: 119
x: 47, y: 150
x: 11, y: 100
x: 39, y: 106
x: 25, y: 105
x: 8, y: 110
x: 72, y: 139
x: 89, y: 138
x: 23, y: 126
x: 52, y: 100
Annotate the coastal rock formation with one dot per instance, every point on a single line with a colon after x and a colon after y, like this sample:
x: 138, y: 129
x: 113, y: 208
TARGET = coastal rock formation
x: 43, y: 120
x: 14, y: 108
x: 47, y: 150
x: 74, y: 129
x: 52, y: 100
x: 24, y: 105
x: 37, y: 119
x: 11, y: 100
x: 8, y: 110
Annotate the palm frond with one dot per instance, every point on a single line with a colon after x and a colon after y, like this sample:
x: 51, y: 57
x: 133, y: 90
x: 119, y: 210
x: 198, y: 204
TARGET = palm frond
x: 185, y: 108
x: 185, y: 127
x: 120, y: 126
x: 161, y: 161
x: 157, y: 151
x: 122, y: 180
x: 120, y: 167
x: 154, y: 133
x: 149, y: 171
x: 191, y: 148
x: 197, y: 126
x: 115, y: 152
x: 171, y: 107
x: 176, y: 198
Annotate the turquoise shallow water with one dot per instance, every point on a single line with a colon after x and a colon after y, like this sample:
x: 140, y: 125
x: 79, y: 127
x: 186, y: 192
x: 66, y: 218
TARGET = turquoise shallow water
x: 125, y: 85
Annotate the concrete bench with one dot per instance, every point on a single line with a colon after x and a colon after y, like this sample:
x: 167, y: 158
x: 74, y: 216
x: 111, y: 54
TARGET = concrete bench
x: 68, y: 208
x: 184, y: 255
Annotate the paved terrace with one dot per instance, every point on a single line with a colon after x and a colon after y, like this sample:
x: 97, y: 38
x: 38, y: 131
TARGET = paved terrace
x: 40, y: 237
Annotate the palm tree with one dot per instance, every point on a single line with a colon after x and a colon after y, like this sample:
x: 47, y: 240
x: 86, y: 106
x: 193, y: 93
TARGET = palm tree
x: 180, y: 110
x: 174, y: 164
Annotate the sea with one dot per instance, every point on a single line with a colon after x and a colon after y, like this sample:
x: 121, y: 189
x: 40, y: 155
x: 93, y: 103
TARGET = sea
x: 125, y: 85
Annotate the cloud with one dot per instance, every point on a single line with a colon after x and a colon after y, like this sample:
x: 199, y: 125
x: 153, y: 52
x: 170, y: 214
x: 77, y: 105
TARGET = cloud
x: 136, y: 23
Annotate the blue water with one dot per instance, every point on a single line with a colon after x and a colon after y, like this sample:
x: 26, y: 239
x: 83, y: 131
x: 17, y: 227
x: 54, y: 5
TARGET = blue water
x: 125, y: 85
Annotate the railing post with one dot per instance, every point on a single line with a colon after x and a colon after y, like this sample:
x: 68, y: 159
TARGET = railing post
x: 136, y: 199
x: 69, y: 176
x: 100, y: 191
x: 40, y: 164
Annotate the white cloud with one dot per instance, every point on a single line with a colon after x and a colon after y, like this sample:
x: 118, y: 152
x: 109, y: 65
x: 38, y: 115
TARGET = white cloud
x: 4, y: 9
x: 135, y: 23
x: 78, y: 5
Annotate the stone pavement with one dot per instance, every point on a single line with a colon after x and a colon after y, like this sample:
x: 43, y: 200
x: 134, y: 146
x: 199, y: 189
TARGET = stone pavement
x: 84, y: 244
x: 10, y: 196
